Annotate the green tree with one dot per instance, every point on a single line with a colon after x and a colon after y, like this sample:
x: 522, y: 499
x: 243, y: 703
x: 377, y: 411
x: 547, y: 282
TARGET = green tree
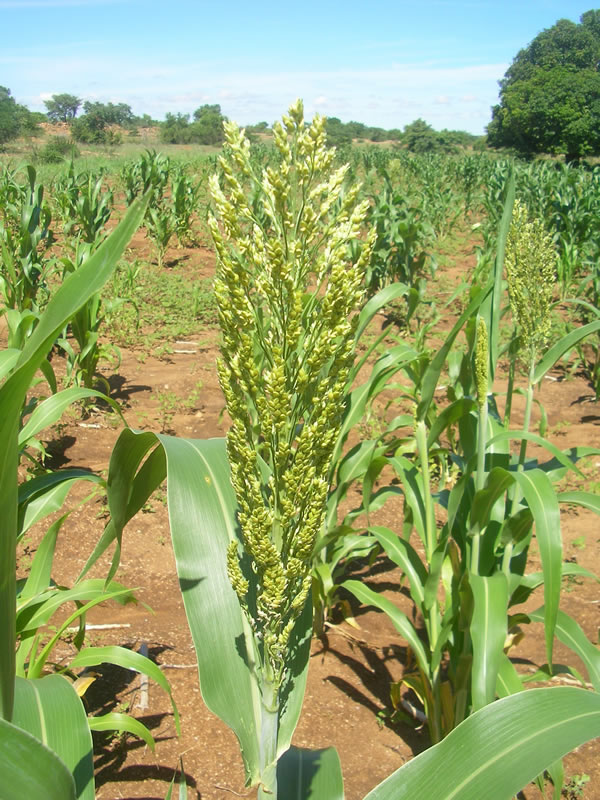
x: 337, y: 132
x: 15, y: 119
x: 62, y: 107
x: 420, y: 137
x: 550, y: 95
x: 110, y: 113
x: 175, y: 129
x: 207, y: 127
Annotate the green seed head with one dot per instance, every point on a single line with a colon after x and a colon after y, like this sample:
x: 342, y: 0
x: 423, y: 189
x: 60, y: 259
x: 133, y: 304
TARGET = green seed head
x: 481, y: 362
x: 287, y: 295
x: 530, y: 261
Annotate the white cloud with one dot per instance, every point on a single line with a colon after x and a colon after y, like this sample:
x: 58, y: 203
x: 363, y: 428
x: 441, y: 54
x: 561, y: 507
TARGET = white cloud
x: 451, y: 97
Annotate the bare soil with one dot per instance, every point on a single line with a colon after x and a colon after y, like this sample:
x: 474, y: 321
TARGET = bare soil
x: 351, y: 668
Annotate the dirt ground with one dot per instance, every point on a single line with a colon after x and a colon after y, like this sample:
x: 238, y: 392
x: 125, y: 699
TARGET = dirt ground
x: 351, y: 668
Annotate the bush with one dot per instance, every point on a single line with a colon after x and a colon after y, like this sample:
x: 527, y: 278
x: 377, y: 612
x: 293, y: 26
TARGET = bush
x: 57, y: 149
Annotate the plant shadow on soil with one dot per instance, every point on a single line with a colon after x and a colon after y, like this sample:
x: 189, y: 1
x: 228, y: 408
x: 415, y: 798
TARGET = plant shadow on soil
x: 118, y: 689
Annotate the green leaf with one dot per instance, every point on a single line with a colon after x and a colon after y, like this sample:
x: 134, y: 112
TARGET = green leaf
x: 128, y: 659
x: 570, y: 633
x: 561, y: 347
x: 202, y: 514
x: 491, y: 307
x: 504, y: 745
x: 38, y: 579
x: 51, y: 710
x: 398, y: 618
x: 310, y: 775
x: 509, y: 681
x: 488, y: 633
x: 383, y: 298
x: 584, y: 499
x: 543, y: 503
x: 449, y: 416
x: 48, y: 495
x: 122, y: 723
x: 52, y: 408
x: 558, y: 454
x: 406, y: 557
x: 432, y: 374
x: 19, y: 750
x: 72, y: 294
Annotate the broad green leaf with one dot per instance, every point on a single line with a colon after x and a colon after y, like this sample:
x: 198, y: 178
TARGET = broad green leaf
x: 202, y: 509
x: 52, y: 408
x: 122, y: 723
x: 412, y: 486
x: 72, y: 294
x: 561, y: 347
x: 504, y: 745
x: 398, y: 618
x: 406, y: 557
x: 497, y: 482
x: 383, y: 298
x: 50, y: 709
x: 128, y: 659
x: 584, y: 499
x: 28, y: 769
x: 509, y: 681
x: 39, y: 576
x: 543, y: 504
x: 310, y: 775
x: 49, y: 497
x: 558, y: 454
x: 129, y: 486
x: 488, y: 634
x: 570, y: 633
x: 432, y: 374
x: 449, y: 416
x: 92, y: 591
x: 491, y: 307
x: 8, y: 359
x: 384, y: 368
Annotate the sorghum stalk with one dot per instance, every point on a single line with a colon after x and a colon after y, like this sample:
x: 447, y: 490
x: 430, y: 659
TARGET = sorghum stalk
x: 287, y: 293
x: 481, y: 383
x: 530, y: 261
x: 432, y: 614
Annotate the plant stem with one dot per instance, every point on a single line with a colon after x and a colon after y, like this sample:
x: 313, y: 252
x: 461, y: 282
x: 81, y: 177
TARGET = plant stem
x: 528, y: 406
x: 430, y: 529
x: 268, y: 741
x: 479, y: 477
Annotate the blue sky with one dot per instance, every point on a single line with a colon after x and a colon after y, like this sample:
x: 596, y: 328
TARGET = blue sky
x: 381, y: 62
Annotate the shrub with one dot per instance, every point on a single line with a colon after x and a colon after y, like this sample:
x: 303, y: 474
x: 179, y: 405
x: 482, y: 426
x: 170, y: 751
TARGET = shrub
x: 57, y: 149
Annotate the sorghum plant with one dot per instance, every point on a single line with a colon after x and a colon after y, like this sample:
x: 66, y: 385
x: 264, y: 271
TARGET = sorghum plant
x: 287, y: 299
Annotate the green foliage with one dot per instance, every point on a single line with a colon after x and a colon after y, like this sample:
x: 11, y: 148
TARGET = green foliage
x: 96, y: 126
x: 419, y: 137
x: 206, y: 128
x: 15, y: 119
x: 549, y: 95
x: 52, y: 728
x: 110, y: 113
x: 57, y: 149
x: 24, y: 238
x: 62, y: 107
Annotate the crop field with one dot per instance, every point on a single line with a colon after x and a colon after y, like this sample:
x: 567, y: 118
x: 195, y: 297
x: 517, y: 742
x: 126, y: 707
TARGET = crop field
x: 403, y: 352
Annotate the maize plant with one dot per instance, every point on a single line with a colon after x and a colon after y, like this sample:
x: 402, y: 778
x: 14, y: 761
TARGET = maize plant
x: 474, y: 563
x: 25, y: 235
x: 45, y: 735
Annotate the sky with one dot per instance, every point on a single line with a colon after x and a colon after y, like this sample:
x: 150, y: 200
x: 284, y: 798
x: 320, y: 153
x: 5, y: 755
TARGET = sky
x: 381, y: 62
